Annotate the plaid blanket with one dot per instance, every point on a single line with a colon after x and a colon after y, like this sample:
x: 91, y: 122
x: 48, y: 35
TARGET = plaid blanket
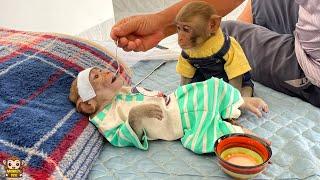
x: 38, y: 124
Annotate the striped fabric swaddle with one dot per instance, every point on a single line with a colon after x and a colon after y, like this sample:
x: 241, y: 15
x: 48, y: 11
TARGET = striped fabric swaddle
x: 200, y: 106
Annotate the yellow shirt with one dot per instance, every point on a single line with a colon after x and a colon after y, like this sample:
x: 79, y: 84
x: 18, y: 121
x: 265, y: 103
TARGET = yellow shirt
x: 236, y: 62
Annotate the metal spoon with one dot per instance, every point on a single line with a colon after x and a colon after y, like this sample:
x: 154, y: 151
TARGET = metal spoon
x: 116, y: 58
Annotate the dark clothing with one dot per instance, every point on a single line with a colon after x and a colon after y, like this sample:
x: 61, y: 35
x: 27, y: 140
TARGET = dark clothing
x: 213, y: 66
x: 271, y: 50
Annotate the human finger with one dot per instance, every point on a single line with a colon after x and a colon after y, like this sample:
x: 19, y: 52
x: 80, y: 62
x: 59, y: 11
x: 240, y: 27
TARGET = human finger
x: 125, y: 27
x: 131, y: 45
x: 123, y: 42
x: 139, y: 45
x: 126, y: 49
x: 113, y: 34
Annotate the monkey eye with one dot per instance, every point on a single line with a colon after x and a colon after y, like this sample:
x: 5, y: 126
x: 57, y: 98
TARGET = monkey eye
x: 9, y: 164
x: 186, y: 29
x: 178, y: 28
x: 18, y: 164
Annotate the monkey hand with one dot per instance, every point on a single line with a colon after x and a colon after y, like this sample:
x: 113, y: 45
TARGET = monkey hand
x: 141, y: 32
x: 255, y: 105
x: 233, y: 122
x: 247, y: 131
x: 146, y: 110
x: 152, y: 111
x: 137, y: 113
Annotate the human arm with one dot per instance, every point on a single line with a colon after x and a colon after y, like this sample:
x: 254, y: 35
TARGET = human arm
x: 143, y: 32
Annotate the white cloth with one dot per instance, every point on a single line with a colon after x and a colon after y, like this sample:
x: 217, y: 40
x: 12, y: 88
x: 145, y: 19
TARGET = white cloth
x: 85, y: 89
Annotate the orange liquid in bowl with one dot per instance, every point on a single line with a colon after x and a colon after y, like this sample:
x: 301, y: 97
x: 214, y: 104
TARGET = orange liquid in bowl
x: 241, y: 156
x: 241, y: 160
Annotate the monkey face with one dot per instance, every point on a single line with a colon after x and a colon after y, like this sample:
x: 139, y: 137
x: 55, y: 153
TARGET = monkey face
x: 13, y: 164
x: 192, y: 33
x: 196, y: 22
x: 102, y: 78
x: 185, y: 33
x: 105, y: 83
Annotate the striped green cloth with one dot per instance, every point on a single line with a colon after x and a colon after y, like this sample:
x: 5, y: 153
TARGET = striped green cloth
x: 201, y: 106
x: 116, y: 129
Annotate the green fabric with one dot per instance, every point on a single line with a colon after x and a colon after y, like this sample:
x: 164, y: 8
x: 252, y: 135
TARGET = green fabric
x: 202, y: 104
x: 121, y: 135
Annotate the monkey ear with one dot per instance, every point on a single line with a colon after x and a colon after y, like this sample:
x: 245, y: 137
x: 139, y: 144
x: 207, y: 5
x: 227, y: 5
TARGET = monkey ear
x: 4, y: 162
x: 88, y: 107
x: 214, y: 23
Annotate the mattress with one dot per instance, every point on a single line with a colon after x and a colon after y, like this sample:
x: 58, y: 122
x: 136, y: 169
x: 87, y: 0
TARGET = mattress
x: 291, y: 125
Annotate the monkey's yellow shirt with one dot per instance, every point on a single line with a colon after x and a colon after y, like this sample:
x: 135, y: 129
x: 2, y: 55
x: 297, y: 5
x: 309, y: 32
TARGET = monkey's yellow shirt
x: 236, y: 62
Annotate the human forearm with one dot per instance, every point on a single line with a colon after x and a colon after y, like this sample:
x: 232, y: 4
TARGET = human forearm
x: 143, y: 32
x: 222, y: 8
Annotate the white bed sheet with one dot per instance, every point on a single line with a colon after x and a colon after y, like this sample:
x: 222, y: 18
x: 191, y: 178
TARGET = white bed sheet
x: 131, y: 58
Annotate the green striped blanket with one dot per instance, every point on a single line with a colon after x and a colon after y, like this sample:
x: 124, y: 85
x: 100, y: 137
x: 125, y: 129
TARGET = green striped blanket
x: 193, y: 113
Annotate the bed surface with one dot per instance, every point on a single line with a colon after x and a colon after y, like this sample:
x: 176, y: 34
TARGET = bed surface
x: 292, y: 125
x: 38, y: 124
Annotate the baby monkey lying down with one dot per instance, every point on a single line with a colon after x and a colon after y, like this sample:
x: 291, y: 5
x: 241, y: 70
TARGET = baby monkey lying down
x: 130, y: 116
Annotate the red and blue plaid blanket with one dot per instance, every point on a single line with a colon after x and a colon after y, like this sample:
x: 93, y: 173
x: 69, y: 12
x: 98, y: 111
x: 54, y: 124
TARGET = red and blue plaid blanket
x: 38, y: 124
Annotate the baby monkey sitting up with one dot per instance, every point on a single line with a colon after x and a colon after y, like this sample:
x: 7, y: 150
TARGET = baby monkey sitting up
x: 129, y: 116
x: 207, y: 51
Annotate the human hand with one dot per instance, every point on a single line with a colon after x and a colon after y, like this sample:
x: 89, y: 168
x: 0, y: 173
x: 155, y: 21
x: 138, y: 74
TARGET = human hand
x: 139, y: 33
x: 255, y: 105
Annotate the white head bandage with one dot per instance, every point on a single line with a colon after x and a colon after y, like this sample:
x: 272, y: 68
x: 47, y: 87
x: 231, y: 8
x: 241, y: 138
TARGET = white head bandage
x: 85, y: 89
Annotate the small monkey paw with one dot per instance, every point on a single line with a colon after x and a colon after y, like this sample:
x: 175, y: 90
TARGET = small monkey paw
x: 154, y: 111
x: 255, y: 105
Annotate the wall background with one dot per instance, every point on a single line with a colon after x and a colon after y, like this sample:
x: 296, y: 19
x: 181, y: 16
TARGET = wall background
x: 62, y: 16
x: 91, y: 19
